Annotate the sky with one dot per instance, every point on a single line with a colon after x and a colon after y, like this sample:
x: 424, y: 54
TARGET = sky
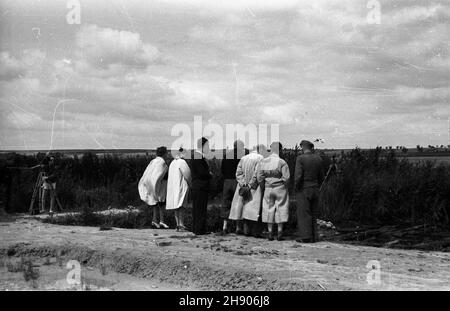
x: 130, y: 71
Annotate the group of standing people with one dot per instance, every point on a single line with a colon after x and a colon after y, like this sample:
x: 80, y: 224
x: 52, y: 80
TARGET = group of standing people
x: 255, y: 189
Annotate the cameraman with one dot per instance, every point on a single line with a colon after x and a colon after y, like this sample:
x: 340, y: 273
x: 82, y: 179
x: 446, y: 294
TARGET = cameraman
x: 49, y: 183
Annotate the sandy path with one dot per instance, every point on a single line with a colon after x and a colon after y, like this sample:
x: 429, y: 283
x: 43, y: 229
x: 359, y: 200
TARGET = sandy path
x: 231, y: 262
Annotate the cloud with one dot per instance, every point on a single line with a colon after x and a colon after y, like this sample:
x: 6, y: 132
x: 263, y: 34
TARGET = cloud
x: 191, y: 95
x: 282, y: 114
x: 242, y: 5
x: 104, y: 47
x: 418, y: 95
x: 18, y: 67
x: 10, y: 68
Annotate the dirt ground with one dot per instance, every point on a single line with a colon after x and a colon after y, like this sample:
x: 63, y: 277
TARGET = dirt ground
x: 54, y: 277
x: 149, y: 259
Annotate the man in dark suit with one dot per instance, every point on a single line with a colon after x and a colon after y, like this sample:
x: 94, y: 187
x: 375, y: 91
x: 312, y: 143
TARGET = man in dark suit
x: 201, y: 177
x: 228, y: 169
x: 308, y: 177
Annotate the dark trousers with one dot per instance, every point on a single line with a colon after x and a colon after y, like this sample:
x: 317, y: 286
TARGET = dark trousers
x: 199, y: 211
x: 258, y: 226
x: 229, y: 187
x: 307, y: 212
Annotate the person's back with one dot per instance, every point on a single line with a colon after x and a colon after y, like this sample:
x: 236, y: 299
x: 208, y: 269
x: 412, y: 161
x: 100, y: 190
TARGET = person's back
x: 152, y: 188
x: 49, y: 183
x: 248, y: 166
x: 199, y: 172
x: 178, y: 184
x: 200, y: 177
x: 228, y: 168
x: 250, y: 205
x: 229, y: 164
x: 179, y: 179
x: 273, y: 171
x: 308, y: 170
x: 308, y: 177
x: 48, y: 167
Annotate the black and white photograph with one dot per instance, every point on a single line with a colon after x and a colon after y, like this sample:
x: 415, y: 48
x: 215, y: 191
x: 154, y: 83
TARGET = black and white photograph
x: 223, y: 152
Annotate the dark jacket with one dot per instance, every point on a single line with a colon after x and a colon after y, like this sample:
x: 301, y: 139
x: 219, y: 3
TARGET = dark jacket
x: 49, y: 171
x: 309, y: 171
x: 229, y: 165
x: 199, y: 172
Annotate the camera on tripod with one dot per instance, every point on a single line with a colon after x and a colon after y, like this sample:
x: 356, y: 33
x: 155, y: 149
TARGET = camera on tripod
x: 45, y: 186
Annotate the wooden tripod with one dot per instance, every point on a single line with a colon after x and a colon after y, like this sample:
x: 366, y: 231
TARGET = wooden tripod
x: 326, y: 176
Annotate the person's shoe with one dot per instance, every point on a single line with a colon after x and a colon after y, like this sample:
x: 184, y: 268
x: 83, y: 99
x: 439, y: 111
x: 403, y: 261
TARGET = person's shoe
x: 163, y: 225
x: 239, y: 232
x: 182, y: 229
x: 222, y: 233
x: 155, y: 225
x: 280, y: 237
x: 270, y: 236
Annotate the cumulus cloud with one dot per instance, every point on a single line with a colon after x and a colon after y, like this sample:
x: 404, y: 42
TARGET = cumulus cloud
x: 103, y: 47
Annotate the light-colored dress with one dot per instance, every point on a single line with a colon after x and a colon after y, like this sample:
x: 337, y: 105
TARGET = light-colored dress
x: 152, y: 187
x: 246, y: 175
x: 178, y: 184
x: 274, y: 172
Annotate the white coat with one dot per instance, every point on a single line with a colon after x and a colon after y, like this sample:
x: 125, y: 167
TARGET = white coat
x: 178, y: 184
x: 152, y: 187
x: 274, y: 172
x: 246, y: 175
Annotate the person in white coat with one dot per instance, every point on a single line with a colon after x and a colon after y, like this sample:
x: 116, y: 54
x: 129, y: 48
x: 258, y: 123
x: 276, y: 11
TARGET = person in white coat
x: 246, y: 207
x: 274, y: 173
x: 178, y: 184
x: 153, y: 186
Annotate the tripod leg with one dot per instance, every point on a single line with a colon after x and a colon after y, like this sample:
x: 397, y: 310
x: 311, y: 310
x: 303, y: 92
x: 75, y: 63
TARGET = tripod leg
x: 325, y: 179
x: 59, y: 203
x: 35, y: 192
x: 31, y: 210
x: 40, y: 206
x: 33, y: 197
x: 40, y: 189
